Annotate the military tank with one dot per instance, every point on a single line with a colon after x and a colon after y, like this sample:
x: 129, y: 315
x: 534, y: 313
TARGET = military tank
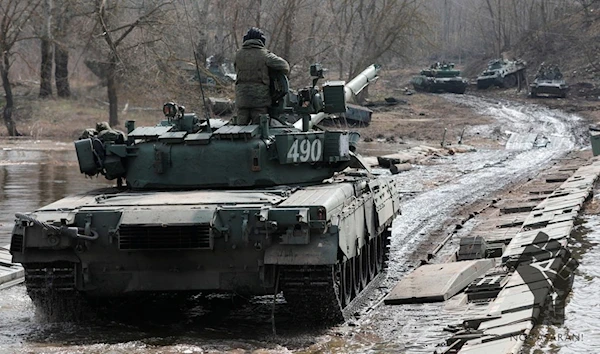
x: 549, y: 82
x: 502, y: 73
x: 200, y: 207
x: 438, y: 78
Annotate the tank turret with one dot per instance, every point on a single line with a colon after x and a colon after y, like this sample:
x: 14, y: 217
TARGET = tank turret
x: 177, y: 152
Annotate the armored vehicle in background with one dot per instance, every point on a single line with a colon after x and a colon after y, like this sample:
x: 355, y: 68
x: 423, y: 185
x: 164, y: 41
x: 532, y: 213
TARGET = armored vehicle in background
x: 438, y: 78
x: 549, y: 82
x: 253, y: 209
x: 502, y: 73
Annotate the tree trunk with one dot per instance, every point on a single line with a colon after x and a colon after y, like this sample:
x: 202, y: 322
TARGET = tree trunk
x: 8, y: 109
x: 46, y: 55
x: 111, y: 87
x: 46, y: 69
x: 61, y: 71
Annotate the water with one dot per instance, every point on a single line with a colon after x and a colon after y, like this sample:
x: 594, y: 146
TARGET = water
x: 36, y: 173
x: 579, y: 330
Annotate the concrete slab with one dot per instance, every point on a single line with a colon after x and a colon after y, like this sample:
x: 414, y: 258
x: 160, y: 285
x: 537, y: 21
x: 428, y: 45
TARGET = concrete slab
x: 525, y: 254
x: 557, y: 177
x: 558, y: 233
x: 506, y: 319
x: 523, y: 327
x: 537, y: 218
x: 516, y: 279
x: 505, y: 346
x: 511, y: 220
x: 568, y: 201
x: 516, y: 206
x: 437, y: 282
x: 10, y: 273
x: 497, y: 235
x: 554, y: 231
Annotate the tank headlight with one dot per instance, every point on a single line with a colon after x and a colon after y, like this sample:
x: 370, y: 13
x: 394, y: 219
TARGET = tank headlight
x: 321, y: 214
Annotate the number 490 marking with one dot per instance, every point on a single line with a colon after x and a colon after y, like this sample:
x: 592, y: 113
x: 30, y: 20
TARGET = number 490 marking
x: 305, y: 150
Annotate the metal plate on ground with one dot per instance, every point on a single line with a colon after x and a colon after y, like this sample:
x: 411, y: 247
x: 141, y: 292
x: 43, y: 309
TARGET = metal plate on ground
x: 10, y: 273
x: 437, y: 282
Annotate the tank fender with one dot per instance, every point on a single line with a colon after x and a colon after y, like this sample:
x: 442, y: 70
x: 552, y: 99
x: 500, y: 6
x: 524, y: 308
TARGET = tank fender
x: 41, y: 256
x: 386, y: 201
x: 352, y: 228
x: 321, y: 250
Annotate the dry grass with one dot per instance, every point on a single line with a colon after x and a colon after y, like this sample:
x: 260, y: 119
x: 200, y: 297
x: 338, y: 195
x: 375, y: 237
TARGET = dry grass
x: 65, y: 119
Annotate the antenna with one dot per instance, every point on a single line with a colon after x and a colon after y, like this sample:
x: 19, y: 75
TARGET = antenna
x: 206, y: 113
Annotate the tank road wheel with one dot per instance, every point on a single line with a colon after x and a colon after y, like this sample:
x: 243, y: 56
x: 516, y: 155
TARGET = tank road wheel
x: 383, y: 240
x: 372, y: 247
x: 346, y: 280
x: 356, y: 261
x: 379, y: 248
x: 510, y: 81
x: 364, y: 267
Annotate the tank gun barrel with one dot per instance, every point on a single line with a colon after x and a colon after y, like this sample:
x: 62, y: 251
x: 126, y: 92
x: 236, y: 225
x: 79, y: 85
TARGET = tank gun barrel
x: 351, y: 89
x: 362, y: 80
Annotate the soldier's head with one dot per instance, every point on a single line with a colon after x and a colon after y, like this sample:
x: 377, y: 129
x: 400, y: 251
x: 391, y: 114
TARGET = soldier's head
x: 255, y: 33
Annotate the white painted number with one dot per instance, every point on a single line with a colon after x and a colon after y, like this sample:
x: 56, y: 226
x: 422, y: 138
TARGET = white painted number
x: 316, y: 150
x: 307, y: 151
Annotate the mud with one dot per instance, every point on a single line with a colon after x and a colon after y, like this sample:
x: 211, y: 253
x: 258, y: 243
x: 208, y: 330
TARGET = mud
x: 440, y: 192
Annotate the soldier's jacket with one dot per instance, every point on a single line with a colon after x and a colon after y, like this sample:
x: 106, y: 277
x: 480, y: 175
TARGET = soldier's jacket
x: 252, y: 64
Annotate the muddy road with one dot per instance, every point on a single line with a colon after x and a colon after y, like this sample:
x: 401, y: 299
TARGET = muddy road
x: 438, y: 194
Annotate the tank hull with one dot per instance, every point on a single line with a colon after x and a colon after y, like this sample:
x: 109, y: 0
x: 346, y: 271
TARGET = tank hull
x: 251, y: 242
x: 552, y: 88
x: 440, y: 85
x: 501, y: 73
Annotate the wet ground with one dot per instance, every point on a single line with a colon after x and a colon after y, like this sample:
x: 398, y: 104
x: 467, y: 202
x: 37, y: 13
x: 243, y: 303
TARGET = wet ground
x: 32, y: 176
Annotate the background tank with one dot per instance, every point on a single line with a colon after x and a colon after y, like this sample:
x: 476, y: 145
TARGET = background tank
x: 440, y: 77
x: 201, y: 207
x: 502, y: 73
x: 549, y: 81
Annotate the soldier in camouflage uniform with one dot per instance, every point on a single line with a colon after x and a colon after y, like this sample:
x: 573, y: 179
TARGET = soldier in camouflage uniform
x: 253, y: 62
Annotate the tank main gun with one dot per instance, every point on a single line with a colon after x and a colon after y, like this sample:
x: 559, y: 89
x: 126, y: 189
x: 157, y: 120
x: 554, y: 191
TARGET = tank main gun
x: 351, y: 90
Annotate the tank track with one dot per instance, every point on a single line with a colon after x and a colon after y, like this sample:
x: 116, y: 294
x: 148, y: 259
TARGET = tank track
x: 51, y: 287
x: 312, y: 293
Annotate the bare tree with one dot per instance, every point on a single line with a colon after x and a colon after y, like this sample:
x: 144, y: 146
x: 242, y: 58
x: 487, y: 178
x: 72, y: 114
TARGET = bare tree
x: 46, y: 50
x: 63, y: 16
x: 115, y: 29
x: 14, y: 19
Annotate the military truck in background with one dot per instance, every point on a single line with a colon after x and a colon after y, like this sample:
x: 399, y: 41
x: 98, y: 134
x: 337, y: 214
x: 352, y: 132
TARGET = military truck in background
x: 549, y: 81
x: 439, y: 78
x: 502, y: 73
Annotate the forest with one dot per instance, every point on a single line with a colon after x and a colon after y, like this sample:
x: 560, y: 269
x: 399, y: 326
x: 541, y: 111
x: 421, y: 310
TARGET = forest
x: 143, y: 46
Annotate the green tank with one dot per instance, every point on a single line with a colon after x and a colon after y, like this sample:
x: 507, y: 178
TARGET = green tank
x: 439, y: 78
x: 206, y: 207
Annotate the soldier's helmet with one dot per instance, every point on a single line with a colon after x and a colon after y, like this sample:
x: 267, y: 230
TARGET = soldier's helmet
x: 255, y: 33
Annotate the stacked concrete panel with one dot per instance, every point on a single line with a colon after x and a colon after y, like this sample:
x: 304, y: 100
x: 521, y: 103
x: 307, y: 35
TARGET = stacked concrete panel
x: 539, y: 258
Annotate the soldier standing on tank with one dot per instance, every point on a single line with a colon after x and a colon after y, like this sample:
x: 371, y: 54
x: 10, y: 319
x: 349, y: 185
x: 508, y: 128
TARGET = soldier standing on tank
x: 253, y: 63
